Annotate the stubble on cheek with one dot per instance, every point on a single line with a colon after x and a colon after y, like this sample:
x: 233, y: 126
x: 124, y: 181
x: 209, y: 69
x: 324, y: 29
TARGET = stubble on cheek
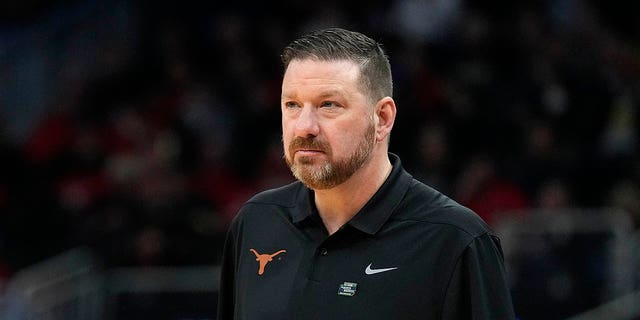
x: 327, y: 173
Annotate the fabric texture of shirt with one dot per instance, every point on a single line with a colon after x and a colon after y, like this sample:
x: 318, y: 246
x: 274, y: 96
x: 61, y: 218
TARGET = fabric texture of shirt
x: 409, y: 253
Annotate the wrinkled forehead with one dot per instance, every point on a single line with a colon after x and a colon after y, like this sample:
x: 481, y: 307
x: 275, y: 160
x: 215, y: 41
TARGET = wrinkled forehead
x: 315, y: 72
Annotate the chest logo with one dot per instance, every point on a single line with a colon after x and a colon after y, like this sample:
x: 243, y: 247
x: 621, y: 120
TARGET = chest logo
x: 347, y: 289
x: 263, y: 259
x: 371, y: 271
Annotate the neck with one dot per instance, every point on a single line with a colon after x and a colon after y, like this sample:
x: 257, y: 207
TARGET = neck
x: 338, y: 205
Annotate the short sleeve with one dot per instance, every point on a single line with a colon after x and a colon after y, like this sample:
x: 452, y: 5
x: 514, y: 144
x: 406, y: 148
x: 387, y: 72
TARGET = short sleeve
x: 478, y: 288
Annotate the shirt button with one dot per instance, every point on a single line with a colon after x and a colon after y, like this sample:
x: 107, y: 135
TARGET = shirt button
x: 323, y: 251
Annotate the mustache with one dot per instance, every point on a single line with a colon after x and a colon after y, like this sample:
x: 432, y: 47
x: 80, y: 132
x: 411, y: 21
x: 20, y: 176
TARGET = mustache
x: 308, y: 143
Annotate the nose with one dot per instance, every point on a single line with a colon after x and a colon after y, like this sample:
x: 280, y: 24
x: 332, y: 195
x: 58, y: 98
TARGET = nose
x: 307, y: 122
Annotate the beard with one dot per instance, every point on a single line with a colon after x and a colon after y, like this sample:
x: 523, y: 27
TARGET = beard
x: 331, y: 172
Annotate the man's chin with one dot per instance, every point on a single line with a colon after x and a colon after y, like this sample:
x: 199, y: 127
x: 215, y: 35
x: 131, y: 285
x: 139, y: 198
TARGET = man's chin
x: 306, y: 161
x: 306, y: 168
x: 313, y: 183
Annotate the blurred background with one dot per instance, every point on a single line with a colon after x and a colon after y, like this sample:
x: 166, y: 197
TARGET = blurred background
x: 132, y: 131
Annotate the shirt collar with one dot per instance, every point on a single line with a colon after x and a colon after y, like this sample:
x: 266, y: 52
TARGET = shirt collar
x: 305, y: 208
x: 376, y: 211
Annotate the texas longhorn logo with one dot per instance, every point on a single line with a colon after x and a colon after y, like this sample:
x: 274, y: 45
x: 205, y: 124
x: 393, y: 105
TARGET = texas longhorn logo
x: 263, y: 259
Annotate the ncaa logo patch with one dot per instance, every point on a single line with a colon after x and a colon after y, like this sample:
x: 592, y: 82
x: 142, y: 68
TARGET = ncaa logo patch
x: 347, y: 289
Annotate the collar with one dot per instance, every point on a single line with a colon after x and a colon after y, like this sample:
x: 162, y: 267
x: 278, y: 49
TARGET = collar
x: 375, y: 212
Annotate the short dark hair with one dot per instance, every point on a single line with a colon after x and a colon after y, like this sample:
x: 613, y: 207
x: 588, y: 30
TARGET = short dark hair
x: 340, y: 44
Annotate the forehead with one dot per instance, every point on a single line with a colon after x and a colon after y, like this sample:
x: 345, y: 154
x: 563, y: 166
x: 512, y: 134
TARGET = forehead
x: 319, y: 74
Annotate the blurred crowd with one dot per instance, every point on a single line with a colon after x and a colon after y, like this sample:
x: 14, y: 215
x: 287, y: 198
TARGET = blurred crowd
x: 138, y: 128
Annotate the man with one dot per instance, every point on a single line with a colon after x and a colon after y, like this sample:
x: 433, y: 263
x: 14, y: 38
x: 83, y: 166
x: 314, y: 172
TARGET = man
x: 357, y: 237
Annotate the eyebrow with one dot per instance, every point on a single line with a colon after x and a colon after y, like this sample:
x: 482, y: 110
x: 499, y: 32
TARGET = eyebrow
x: 322, y: 95
x: 331, y: 93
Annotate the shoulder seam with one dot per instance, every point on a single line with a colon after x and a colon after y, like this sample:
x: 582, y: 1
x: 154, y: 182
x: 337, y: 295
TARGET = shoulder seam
x: 291, y: 205
x: 473, y: 236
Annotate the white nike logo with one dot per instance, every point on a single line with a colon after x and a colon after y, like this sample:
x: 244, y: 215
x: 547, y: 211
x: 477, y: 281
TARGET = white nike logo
x: 370, y: 271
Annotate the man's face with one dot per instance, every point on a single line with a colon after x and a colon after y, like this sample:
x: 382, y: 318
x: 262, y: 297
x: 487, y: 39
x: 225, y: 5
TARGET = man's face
x: 327, y: 121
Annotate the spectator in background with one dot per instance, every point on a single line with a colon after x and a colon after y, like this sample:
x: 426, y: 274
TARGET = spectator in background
x: 553, y: 194
x: 625, y: 195
x: 434, y: 158
x: 483, y: 190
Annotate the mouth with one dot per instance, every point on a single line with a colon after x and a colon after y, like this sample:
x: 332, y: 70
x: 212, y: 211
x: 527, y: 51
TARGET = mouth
x: 307, y: 148
x: 307, y: 152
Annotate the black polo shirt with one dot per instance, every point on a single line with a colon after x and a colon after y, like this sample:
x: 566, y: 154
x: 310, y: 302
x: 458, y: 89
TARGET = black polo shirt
x: 410, y: 253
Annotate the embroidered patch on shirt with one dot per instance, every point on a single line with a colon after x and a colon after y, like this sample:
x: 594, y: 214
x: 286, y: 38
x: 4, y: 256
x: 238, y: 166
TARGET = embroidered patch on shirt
x: 347, y: 289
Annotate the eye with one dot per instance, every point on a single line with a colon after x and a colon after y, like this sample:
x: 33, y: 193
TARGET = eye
x: 329, y: 104
x: 291, y: 105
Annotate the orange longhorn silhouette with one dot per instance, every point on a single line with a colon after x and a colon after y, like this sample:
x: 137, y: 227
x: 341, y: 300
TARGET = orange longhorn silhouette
x: 265, y: 258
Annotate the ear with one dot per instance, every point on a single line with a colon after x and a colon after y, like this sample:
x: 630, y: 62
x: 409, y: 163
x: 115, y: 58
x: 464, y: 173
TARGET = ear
x: 385, y: 116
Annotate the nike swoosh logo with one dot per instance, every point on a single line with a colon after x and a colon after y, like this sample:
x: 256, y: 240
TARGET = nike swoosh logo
x: 371, y: 271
